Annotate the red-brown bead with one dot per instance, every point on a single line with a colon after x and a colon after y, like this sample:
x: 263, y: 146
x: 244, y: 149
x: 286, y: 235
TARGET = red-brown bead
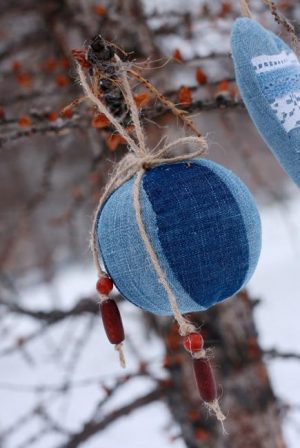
x: 193, y: 342
x: 112, y: 321
x: 104, y: 285
x: 205, y: 379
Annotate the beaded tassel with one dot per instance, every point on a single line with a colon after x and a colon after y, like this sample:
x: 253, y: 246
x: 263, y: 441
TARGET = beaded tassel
x: 204, y: 374
x: 111, y: 317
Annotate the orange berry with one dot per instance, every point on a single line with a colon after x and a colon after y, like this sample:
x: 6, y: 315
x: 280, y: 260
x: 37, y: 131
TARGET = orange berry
x: 100, y: 121
x: 67, y: 112
x: 24, y: 79
x: 100, y: 10
x: 24, y: 121
x: 142, y: 99
x: 201, y: 435
x: 185, y: 96
x: 177, y: 56
x: 61, y: 80
x: 114, y: 140
x: 226, y: 9
x: 52, y: 116
x: 201, y: 77
x: 223, y: 86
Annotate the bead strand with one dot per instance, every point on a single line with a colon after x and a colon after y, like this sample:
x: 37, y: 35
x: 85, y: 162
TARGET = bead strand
x: 204, y: 375
x: 111, y: 316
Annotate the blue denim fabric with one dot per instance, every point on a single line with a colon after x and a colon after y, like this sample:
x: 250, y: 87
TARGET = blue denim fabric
x: 203, y: 225
x: 261, y: 91
x: 249, y: 213
x: 125, y: 257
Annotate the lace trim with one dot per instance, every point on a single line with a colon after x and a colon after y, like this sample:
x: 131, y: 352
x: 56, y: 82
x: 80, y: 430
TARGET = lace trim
x: 265, y: 63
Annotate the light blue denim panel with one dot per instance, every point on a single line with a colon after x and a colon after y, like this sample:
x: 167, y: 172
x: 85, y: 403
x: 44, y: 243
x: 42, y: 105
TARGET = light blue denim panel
x: 270, y: 89
x: 126, y: 259
x: 250, y: 215
x: 128, y: 264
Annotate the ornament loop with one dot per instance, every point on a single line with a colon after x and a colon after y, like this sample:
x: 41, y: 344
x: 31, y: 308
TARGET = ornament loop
x: 136, y: 162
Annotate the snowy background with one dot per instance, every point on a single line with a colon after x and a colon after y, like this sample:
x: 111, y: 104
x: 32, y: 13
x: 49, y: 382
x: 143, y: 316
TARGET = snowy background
x: 67, y: 368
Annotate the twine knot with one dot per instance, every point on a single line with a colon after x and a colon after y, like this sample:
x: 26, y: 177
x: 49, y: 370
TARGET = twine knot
x: 146, y: 164
x: 201, y: 354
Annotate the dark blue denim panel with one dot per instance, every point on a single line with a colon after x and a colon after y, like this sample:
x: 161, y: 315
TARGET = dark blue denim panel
x: 200, y: 228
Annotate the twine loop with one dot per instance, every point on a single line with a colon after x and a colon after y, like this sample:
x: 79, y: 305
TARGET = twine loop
x: 135, y: 163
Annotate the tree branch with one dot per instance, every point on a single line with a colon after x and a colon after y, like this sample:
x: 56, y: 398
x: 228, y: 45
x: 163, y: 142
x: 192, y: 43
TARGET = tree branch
x: 92, y: 428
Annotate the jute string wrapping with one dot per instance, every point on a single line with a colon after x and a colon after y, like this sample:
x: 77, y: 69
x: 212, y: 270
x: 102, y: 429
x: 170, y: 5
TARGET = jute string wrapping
x: 135, y: 163
x: 245, y: 10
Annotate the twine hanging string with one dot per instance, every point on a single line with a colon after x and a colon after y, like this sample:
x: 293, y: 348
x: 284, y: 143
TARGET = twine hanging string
x: 278, y: 17
x: 282, y: 20
x: 245, y: 10
x: 135, y: 163
x: 138, y: 158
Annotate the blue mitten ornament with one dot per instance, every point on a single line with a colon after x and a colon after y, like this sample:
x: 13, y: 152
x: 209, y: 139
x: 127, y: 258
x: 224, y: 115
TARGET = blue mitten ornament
x: 268, y: 76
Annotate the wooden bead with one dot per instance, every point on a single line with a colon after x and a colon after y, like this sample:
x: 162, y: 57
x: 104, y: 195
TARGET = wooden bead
x: 193, y: 342
x: 205, y: 379
x: 112, y: 321
x: 104, y: 285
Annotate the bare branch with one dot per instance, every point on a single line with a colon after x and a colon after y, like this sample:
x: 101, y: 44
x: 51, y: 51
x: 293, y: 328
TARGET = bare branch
x: 93, y: 427
x: 275, y: 353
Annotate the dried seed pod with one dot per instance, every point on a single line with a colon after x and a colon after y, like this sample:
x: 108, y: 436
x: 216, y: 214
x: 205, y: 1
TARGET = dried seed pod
x: 205, y: 379
x: 112, y: 321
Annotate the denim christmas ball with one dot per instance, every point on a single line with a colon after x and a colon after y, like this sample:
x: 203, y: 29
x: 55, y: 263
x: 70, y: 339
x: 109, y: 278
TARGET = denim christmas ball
x: 203, y: 225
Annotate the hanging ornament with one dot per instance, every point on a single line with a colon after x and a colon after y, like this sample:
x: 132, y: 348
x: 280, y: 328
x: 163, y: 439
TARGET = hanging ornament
x: 176, y: 234
x: 268, y: 76
x: 203, y: 226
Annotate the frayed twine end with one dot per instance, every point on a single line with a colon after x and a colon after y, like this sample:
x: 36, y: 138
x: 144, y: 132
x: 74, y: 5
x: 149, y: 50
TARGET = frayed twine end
x: 119, y: 349
x: 214, y: 407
